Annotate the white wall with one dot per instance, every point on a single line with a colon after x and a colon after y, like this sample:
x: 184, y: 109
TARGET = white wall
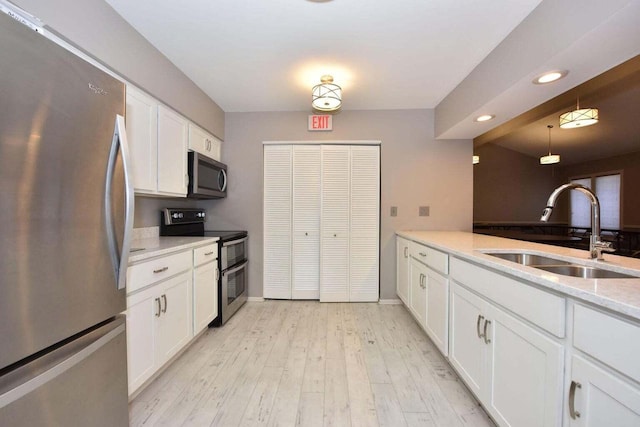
x: 416, y: 170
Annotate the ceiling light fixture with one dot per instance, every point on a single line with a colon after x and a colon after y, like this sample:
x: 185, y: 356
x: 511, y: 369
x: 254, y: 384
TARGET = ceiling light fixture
x: 579, y: 117
x: 327, y: 96
x: 476, y: 160
x: 484, y: 117
x: 550, y: 159
x: 550, y: 76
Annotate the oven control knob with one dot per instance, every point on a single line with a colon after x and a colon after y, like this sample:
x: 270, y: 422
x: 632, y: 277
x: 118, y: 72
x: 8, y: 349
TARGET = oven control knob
x: 175, y: 215
x: 180, y: 215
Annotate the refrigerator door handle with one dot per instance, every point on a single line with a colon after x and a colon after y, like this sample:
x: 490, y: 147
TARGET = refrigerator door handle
x: 119, y: 260
x: 51, y: 366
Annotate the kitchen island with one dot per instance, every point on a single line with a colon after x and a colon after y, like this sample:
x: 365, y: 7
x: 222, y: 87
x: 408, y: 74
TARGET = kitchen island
x: 535, y: 347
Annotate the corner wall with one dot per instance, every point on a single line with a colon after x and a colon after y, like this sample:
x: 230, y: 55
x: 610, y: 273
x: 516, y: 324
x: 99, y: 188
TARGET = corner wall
x: 415, y: 170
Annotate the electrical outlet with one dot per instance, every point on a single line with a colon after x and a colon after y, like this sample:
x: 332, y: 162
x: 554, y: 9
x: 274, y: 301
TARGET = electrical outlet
x: 394, y: 211
x: 423, y: 211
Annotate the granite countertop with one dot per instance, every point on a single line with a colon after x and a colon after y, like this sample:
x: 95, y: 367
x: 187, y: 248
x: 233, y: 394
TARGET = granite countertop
x: 619, y: 295
x: 145, y: 248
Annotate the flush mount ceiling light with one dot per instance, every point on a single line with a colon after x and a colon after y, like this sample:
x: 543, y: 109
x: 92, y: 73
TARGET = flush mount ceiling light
x: 579, y: 117
x: 484, y: 118
x: 550, y: 76
x: 326, y: 96
x: 550, y: 159
x: 476, y: 160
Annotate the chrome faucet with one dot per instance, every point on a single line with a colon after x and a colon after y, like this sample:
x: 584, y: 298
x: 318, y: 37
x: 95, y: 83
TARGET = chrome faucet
x: 596, y: 245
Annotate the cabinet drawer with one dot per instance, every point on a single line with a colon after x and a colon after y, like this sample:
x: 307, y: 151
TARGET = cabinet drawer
x: 148, y: 272
x: 438, y: 261
x: 613, y: 341
x: 205, y: 254
x: 542, y: 308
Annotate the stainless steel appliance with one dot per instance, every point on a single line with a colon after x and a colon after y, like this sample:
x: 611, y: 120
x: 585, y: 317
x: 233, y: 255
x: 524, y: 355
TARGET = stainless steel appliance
x: 67, y: 212
x: 207, y: 177
x: 232, y: 256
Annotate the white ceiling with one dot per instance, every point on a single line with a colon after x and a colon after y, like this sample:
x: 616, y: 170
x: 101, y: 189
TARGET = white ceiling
x: 266, y: 55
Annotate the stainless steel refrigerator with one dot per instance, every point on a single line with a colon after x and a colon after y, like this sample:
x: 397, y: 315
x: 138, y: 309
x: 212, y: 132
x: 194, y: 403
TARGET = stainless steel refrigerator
x: 66, y: 211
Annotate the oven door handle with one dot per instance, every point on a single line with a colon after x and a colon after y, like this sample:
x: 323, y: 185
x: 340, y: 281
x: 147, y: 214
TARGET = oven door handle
x: 234, y: 269
x: 234, y: 242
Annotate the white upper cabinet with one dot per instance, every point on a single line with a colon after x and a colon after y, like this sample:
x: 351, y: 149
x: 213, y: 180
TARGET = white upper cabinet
x: 142, y: 133
x: 158, y: 142
x: 203, y: 142
x: 172, y: 152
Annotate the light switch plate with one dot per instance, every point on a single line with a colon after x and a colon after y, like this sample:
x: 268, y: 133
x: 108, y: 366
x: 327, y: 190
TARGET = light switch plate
x: 423, y: 211
x: 394, y: 211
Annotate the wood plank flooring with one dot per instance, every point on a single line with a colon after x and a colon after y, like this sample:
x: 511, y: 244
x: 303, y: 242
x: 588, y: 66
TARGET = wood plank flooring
x: 305, y: 363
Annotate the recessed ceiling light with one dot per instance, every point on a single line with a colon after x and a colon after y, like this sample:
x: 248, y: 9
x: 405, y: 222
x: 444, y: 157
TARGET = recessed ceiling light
x: 550, y: 76
x: 484, y: 117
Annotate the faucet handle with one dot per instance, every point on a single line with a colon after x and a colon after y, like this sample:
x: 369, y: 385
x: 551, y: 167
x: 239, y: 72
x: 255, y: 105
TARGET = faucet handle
x: 601, y: 246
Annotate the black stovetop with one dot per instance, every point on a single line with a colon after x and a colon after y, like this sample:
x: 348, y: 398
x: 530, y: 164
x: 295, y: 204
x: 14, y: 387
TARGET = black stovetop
x: 190, y: 222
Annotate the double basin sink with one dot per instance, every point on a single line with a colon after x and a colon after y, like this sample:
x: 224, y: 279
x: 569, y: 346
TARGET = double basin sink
x: 558, y: 266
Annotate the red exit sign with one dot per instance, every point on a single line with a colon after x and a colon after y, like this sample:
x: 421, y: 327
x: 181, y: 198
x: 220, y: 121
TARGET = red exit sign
x: 317, y: 122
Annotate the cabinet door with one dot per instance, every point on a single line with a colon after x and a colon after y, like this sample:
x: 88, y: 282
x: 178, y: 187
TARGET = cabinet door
x: 402, y: 269
x: 142, y: 311
x: 306, y: 223
x: 174, y: 326
x: 364, y: 222
x: 526, y: 372
x: 142, y: 133
x: 418, y: 291
x: 277, y: 220
x: 199, y: 140
x: 334, y: 249
x: 437, y: 320
x: 172, y: 152
x: 205, y: 295
x: 467, y: 349
x: 602, y: 399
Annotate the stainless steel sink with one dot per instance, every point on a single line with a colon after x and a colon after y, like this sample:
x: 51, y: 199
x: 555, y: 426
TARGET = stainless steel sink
x: 558, y: 266
x: 531, y: 260
x: 584, y: 272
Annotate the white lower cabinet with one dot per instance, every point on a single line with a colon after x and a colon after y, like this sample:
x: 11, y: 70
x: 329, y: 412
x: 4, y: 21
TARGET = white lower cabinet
x: 514, y: 370
x: 437, y: 320
x: 402, y: 269
x: 597, y: 397
x: 205, y: 295
x: 418, y: 291
x: 158, y: 326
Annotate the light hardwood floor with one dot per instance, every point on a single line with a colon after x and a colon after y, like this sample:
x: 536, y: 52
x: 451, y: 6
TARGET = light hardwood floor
x: 286, y: 363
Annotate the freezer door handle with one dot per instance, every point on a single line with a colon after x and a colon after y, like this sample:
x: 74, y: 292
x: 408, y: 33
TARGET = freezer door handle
x: 121, y: 259
x: 24, y: 380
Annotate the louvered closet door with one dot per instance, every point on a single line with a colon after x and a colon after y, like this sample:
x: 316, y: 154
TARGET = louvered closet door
x: 334, y: 250
x: 364, y: 235
x: 277, y: 222
x: 306, y: 222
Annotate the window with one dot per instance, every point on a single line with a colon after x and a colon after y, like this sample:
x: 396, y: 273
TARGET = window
x: 608, y: 190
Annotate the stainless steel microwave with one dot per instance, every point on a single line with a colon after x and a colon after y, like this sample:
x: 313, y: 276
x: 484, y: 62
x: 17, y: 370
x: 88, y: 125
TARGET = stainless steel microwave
x: 207, y: 177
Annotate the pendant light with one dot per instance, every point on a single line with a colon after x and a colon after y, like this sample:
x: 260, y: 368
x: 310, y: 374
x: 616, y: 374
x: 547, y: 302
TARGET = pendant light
x: 327, y: 96
x: 579, y: 117
x: 550, y: 159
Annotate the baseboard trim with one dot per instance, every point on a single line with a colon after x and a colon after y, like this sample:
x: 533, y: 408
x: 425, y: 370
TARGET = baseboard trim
x: 255, y: 299
x: 395, y: 301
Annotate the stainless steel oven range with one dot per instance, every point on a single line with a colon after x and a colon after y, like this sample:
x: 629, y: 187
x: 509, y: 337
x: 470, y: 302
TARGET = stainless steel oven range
x: 232, y: 256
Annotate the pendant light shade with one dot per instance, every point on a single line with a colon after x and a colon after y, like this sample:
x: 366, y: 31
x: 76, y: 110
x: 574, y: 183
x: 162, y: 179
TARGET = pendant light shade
x: 326, y: 96
x: 550, y: 159
x: 580, y: 117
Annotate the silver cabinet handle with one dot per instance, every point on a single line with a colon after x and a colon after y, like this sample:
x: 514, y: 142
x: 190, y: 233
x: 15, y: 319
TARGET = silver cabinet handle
x: 161, y: 270
x: 422, y: 254
x: 164, y: 298
x: 159, y: 307
x: 480, y: 319
x: 487, y: 340
x: 406, y: 251
x: 209, y: 253
x: 572, y: 399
